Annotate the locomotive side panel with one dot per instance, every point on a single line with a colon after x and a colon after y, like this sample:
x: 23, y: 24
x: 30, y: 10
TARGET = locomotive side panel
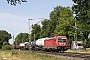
x: 49, y: 43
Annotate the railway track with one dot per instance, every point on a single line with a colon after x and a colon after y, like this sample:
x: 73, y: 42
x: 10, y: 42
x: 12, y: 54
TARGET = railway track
x: 67, y: 55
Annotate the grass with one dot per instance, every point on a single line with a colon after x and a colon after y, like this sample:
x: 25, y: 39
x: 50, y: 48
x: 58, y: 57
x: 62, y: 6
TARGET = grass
x: 80, y: 51
x: 24, y: 55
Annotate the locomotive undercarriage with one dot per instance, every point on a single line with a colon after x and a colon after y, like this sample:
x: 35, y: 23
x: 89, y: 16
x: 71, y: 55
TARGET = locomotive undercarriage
x: 56, y: 49
x: 61, y: 48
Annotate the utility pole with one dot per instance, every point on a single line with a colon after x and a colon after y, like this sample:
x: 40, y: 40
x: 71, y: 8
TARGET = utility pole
x: 34, y: 37
x: 76, y: 34
x: 13, y: 41
x: 29, y: 36
x: 29, y: 31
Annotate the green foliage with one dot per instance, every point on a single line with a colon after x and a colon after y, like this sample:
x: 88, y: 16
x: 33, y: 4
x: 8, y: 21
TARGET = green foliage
x: 54, y: 19
x: 6, y: 47
x: 81, y: 9
x: 88, y: 43
x: 14, y: 52
x: 36, y: 29
x: 46, y: 29
x: 84, y: 44
x: 60, y: 18
x: 20, y: 38
x: 4, y: 37
x: 65, y: 23
x: 5, y: 43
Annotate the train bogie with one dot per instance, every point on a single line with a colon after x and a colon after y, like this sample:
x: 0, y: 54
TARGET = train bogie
x: 16, y: 47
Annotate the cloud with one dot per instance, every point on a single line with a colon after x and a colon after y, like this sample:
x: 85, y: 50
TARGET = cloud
x: 12, y: 20
x: 14, y: 24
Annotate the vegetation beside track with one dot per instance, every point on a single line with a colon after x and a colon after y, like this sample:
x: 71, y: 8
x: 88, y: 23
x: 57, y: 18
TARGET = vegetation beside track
x: 80, y: 51
x: 25, y: 55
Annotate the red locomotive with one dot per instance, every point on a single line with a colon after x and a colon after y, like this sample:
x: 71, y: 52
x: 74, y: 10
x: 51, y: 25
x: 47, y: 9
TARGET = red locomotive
x: 57, y: 43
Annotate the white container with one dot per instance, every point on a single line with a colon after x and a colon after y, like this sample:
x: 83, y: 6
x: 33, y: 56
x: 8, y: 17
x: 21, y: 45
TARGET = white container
x: 21, y: 44
x: 40, y: 42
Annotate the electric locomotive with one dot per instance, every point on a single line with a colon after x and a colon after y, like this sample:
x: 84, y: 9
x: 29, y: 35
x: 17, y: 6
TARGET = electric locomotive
x: 58, y: 43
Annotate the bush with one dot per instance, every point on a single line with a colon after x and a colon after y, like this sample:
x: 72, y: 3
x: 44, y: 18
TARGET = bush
x: 6, y: 47
x: 14, y: 52
x: 5, y: 43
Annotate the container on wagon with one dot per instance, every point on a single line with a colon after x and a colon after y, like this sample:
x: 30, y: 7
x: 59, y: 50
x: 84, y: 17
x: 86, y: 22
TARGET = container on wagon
x: 40, y: 42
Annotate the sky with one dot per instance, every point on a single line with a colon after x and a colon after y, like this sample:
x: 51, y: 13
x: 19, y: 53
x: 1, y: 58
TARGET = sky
x: 14, y: 19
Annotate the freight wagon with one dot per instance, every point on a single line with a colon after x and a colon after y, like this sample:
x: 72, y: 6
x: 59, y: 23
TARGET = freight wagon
x: 38, y: 44
x: 24, y: 46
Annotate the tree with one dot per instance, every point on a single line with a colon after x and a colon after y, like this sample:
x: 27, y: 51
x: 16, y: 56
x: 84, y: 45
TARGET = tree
x: 49, y: 25
x: 81, y: 9
x: 54, y: 18
x: 4, y: 37
x: 46, y: 29
x: 65, y: 23
x: 14, y: 2
x: 60, y: 17
x: 61, y: 21
x: 6, y: 46
x: 36, y: 29
x: 20, y: 38
x: 5, y: 43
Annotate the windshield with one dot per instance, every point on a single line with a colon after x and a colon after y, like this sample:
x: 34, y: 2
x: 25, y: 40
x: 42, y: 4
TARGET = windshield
x: 61, y: 39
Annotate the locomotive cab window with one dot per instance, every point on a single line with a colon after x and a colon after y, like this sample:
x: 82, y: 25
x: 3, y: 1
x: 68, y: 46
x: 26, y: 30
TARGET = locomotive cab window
x: 61, y: 40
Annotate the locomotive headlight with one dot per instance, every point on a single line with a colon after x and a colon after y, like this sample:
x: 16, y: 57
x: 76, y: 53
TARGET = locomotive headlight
x: 60, y: 43
x: 64, y: 43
